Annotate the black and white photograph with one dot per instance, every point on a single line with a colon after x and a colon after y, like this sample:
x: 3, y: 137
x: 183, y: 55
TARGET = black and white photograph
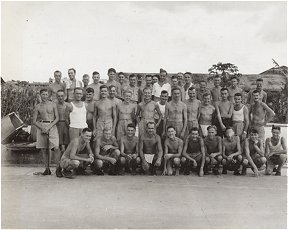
x: 144, y: 114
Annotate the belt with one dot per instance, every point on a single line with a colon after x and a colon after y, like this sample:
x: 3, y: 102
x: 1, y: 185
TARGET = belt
x: 61, y: 121
x: 238, y: 121
x: 46, y: 121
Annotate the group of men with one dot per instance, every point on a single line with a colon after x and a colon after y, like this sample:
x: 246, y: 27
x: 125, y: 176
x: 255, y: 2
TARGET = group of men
x: 128, y: 125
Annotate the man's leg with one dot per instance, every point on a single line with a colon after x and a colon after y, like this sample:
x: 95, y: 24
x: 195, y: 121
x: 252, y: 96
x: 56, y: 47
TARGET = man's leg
x: 281, y: 161
x: 176, y: 163
x: 216, y: 164
x: 113, y: 167
x: 58, y: 156
x: 67, y: 166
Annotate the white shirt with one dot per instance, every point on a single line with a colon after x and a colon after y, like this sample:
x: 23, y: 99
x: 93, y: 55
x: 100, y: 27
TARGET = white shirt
x: 157, y: 89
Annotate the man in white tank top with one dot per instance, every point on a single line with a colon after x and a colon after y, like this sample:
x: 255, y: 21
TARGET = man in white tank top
x: 276, y: 151
x: 76, y: 110
x: 240, y: 117
x: 162, y: 103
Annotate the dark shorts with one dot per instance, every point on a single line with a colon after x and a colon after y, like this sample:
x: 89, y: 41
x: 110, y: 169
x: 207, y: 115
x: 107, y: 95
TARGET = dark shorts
x: 227, y: 122
x: 63, y: 131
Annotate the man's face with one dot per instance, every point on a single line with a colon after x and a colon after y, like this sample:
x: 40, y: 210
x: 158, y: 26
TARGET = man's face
x: 254, y: 137
x: 259, y: 84
x: 234, y: 82
x: 229, y: 133
x: 127, y: 96
x: 60, y: 96
x: 96, y: 78
x: 224, y: 94
x: 171, y: 133
x: 104, y: 92
x: 130, y: 132
x: 180, y: 78
x: 162, y: 76
x: 150, y: 129
x: 256, y: 96
x: 139, y: 80
x: 57, y: 77
x: 176, y: 94
x: 148, y: 81
x: 87, y: 136
x: 132, y: 81
x: 121, y: 78
x: 85, y: 81
x: 89, y: 96
x: 192, y: 94
x: 147, y: 94
x: 71, y: 74
x: 238, y: 100
x: 276, y: 133
x: 194, y: 134
x: 112, y: 92
x: 187, y: 78
x: 78, y: 94
x: 174, y: 81
x: 107, y: 134
x: 154, y: 80
x: 112, y: 75
x: 202, y: 85
x: 44, y: 96
x: 163, y: 97
x: 211, y: 133
x: 206, y: 100
x: 217, y: 81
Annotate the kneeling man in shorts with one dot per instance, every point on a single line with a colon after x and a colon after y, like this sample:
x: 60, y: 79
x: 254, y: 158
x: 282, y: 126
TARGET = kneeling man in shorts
x: 150, y: 149
x: 172, y: 151
x: 78, y: 155
x: 232, y: 157
x: 106, y: 152
x: 193, y: 153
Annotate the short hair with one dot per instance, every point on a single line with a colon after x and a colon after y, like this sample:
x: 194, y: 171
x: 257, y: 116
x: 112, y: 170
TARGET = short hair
x: 217, y: 76
x: 194, y: 129
x: 234, y: 77
x: 180, y: 73
x: 78, y: 88
x: 148, y: 75
x: 188, y: 73
x: 211, y: 127
x: 121, y: 73
x: 111, y: 86
x: 111, y: 70
x: 223, y: 89
x: 259, y: 79
x: 103, y: 86
x: 85, y: 75
x: 43, y: 90
x: 237, y: 95
x: 229, y: 127
x: 175, y: 88
x: 253, y: 130
x: 57, y: 71
x: 147, y: 88
x: 131, y: 125
x: 72, y: 70
x: 95, y: 73
x: 127, y: 91
x: 171, y: 127
x: 206, y: 94
x: 60, y: 91
x: 86, y: 130
x: 89, y: 90
x: 139, y: 76
x: 163, y: 71
x: 164, y: 92
x: 276, y: 127
x: 256, y: 91
x: 150, y: 123
x: 156, y: 75
x: 132, y: 75
x: 203, y: 81
x: 174, y: 77
x: 191, y: 88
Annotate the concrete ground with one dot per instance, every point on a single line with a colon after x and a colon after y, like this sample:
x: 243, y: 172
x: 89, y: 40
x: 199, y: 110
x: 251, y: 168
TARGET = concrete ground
x: 224, y: 201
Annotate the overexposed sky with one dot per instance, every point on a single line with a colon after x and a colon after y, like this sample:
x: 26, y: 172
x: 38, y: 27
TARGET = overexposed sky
x: 41, y: 37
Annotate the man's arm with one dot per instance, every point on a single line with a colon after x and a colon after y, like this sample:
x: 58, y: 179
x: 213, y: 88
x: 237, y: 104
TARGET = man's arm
x: 165, y: 119
x: 238, y: 148
x: 219, y: 115
x: 56, y: 114
x: 180, y: 148
x: 114, y: 118
x: 122, y: 147
x: 264, y: 99
x: 73, y: 152
x: 259, y: 150
x: 68, y: 110
x: 203, y: 153
x: 248, y: 98
x: 267, y: 149
x: 184, y: 121
x: 138, y: 113
x: 159, y: 148
x: 184, y: 152
x: 231, y: 109
x: 35, y: 122
x: 224, y: 150
x: 159, y: 113
x: 95, y: 118
x: 246, y: 119
x: 269, y: 113
x: 247, y: 151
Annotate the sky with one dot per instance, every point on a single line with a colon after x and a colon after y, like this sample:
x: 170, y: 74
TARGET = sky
x: 41, y: 37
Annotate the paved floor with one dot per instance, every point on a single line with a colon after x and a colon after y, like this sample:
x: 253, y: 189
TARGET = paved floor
x: 224, y: 201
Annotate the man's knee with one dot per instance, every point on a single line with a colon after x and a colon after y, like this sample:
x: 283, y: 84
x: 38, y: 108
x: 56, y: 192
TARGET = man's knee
x: 99, y: 164
x: 75, y: 164
x: 224, y: 162
x: 262, y: 160
x: 213, y: 161
x: 122, y: 160
x: 176, y: 162
x: 282, y: 158
x: 138, y: 160
x: 183, y: 160
x: 207, y: 160
x: 219, y: 158
x: 245, y: 162
x: 239, y: 158
x: 116, y: 153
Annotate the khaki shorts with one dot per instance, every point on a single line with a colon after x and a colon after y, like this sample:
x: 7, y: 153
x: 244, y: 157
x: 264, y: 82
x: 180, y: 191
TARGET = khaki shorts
x: 178, y: 125
x: 42, y: 138
x: 101, y: 125
x: 122, y: 127
x: 238, y: 127
x: 74, y: 133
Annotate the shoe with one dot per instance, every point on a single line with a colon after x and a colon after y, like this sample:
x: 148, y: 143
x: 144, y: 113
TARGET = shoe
x: 127, y: 170
x: 112, y: 173
x: 46, y: 172
x: 244, y: 170
x: 133, y: 172
x: 186, y: 172
x: 274, y: 169
x: 216, y: 172
x: 206, y: 172
x: 67, y: 174
x: 224, y: 171
x: 81, y: 171
x: 236, y: 173
x: 58, y: 172
x: 98, y: 172
x: 278, y: 174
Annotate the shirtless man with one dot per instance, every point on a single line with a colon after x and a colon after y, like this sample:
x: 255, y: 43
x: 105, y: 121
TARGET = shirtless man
x: 105, y: 113
x: 193, y: 109
x: 254, y: 151
x: 188, y: 84
x: 146, y: 111
x: 76, y: 111
x: 202, y: 90
x: 123, y: 82
x: 213, y: 149
x: 126, y: 114
x: 262, y: 94
x: 172, y: 152
x: 150, y: 149
x: 90, y: 108
x: 240, y: 117
x: 234, y: 88
x: 85, y: 81
x: 216, y: 90
x: 162, y: 105
x: 224, y: 110
x: 71, y: 84
x: 206, y: 114
x: 133, y: 88
x: 112, y: 95
x: 57, y: 85
x: 176, y: 114
x: 106, y: 152
x: 148, y: 84
x: 62, y: 124
x: 193, y: 154
x: 276, y: 151
x: 45, y: 119
x: 129, y: 156
x: 174, y: 83
x: 180, y: 78
x: 96, y: 85
x: 112, y: 81
x: 232, y: 157
x: 260, y: 114
x: 78, y: 155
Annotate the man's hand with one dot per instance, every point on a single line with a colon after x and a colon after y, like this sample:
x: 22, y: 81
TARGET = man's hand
x: 256, y: 172
x: 128, y: 157
x: 243, y: 136
x: 182, y: 134
x: 163, y: 135
x: 158, y: 162
x: 145, y: 165
x: 201, y: 172
x: 112, y: 161
x: 134, y: 156
x: 194, y: 163
x: 94, y: 133
x: 223, y: 127
x: 168, y: 156
x: 164, y: 172
x: 212, y: 155
x: 106, y: 147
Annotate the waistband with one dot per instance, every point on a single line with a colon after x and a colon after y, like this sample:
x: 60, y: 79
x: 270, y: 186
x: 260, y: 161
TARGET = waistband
x: 238, y: 121
x: 46, y: 121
